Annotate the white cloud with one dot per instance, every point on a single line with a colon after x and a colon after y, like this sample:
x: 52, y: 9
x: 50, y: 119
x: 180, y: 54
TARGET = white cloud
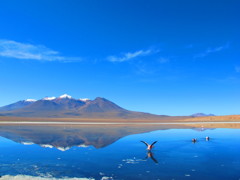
x: 211, y: 50
x: 130, y: 55
x: 18, y: 50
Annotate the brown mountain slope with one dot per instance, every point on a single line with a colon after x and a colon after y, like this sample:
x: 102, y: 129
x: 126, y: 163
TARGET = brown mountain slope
x: 73, y: 108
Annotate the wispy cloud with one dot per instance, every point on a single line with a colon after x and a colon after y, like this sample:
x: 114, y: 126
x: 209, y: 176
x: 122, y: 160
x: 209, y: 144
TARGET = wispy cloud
x: 131, y: 55
x: 212, y: 50
x: 237, y: 69
x: 18, y: 50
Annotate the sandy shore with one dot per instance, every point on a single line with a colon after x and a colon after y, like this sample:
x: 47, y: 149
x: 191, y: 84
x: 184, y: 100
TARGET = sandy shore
x: 208, y: 122
x: 174, y: 125
x: 232, y: 118
x: 115, y: 123
x: 94, y: 120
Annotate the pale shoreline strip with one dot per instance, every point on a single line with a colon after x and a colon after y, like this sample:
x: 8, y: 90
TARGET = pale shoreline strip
x: 113, y: 123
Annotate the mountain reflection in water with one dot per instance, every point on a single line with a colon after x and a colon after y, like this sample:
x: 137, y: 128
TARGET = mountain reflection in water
x: 113, y: 152
x: 65, y: 137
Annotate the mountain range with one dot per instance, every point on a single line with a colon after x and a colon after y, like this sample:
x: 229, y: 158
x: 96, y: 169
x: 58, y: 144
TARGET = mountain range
x: 66, y: 106
x: 201, y: 115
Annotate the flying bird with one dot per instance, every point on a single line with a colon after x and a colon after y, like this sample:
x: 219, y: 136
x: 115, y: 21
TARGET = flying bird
x: 149, y: 146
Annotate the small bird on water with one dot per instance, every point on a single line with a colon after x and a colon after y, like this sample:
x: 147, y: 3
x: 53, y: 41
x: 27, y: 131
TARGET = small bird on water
x: 149, y: 146
x: 194, y: 140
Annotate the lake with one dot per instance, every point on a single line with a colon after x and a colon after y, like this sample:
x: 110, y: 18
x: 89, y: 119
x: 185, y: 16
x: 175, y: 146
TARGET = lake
x: 115, y: 152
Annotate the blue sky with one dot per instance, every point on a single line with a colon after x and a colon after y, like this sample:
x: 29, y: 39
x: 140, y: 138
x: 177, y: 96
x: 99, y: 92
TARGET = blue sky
x: 159, y: 56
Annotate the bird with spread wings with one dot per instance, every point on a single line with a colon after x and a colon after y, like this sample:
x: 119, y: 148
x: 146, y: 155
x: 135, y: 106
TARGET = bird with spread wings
x: 149, y: 146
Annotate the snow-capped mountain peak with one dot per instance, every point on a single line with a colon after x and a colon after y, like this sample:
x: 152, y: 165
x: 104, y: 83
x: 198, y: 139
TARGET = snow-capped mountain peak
x: 65, y: 96
x: 30, y: 100
x: 84, y: 99
x: 49, y: 98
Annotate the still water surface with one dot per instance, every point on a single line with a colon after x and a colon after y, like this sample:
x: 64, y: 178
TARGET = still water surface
x: 117, y: 153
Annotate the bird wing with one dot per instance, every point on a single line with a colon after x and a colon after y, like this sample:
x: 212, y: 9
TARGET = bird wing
x: 145, y: 143
x: 153, y: 143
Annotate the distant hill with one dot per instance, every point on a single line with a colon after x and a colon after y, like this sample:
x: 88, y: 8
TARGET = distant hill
x: 17, y: 105
x: 201, y: 115
x: 66, y: 106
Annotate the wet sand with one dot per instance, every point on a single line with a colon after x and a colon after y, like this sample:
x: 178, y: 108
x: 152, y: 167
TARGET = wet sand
x: 93, y: 120
x: 174, y: 122
x: 232, y: 118
x: 176, y: 125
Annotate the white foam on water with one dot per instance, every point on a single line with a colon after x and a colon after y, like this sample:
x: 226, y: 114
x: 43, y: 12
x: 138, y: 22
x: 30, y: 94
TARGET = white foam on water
x: 106, y: 178
x: 26, y: 177
x: 133, y: 161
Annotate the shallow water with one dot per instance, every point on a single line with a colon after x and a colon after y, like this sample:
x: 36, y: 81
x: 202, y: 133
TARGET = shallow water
x: 113, y: 153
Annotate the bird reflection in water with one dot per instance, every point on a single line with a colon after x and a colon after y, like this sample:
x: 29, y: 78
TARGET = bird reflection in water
x: 150, y: 155
x: 149, y: 152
